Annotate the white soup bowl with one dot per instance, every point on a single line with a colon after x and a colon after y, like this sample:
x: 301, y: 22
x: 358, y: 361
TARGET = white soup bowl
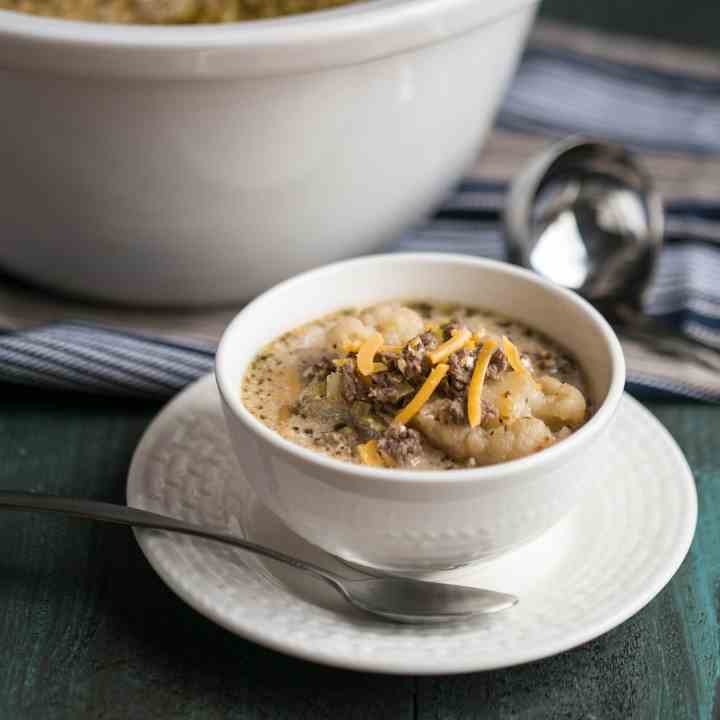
x: 408, y: 520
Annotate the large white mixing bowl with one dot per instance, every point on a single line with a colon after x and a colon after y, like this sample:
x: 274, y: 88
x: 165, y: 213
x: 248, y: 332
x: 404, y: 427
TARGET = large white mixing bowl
x: 201, y: 164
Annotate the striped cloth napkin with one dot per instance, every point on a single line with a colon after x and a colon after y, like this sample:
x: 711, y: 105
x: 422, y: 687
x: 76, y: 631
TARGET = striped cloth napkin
x: 662, y: 101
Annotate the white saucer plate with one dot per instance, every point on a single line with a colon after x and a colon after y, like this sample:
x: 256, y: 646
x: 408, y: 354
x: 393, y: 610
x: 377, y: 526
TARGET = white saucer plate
x: 605, y: 561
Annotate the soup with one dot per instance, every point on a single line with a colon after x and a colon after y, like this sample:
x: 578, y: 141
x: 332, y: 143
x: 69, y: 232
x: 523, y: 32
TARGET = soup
x: 417, y: 385
x: 167, y: 12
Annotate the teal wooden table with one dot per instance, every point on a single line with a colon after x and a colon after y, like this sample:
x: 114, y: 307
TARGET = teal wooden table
x: 87, y: 630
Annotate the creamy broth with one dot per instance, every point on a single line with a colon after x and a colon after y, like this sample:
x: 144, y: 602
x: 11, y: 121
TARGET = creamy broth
x: 352, y: 384
x: 167, y: 12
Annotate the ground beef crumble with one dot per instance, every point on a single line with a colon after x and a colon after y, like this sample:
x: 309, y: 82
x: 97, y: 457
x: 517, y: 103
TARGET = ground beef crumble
x: 497, y: 366
x: 352, y: 387
x: 451, y: 327
x: 400, y: 443
x: 411, y: 363
x: 450, y: 411
x: 460, y: 368
x: 385, y: 388
x: 454, y: 412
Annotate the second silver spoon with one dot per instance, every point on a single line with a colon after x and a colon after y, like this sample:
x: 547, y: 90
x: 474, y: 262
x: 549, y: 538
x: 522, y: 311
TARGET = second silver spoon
x: 586, y: 215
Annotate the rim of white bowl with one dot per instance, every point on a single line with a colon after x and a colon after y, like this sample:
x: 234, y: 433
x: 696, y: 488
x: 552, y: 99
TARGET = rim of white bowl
x: 347, y: 35
x: 352, y: 19
x: 600, y: 418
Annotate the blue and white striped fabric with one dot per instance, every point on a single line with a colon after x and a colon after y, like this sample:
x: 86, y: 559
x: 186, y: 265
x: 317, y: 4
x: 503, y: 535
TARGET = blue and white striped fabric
x: 639, y: 107
x: 88, y: 358
x: 555, y: 92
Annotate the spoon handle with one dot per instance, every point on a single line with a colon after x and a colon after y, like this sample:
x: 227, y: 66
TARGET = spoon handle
x: 133, y: 517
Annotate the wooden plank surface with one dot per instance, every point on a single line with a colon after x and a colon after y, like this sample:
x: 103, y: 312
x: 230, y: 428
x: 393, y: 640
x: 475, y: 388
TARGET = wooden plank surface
x: 87, y: 630
x: 664, y: 663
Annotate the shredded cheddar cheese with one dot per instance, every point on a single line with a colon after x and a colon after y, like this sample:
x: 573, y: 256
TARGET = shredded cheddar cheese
x: 434, y: 328
x: 351, y: 346
x: 366, y: 353
x: 392, y: 348
x: 474, y: 406
x: 369, y: 455
x: 455, y: 343
x: 422, y: 395
x: 513, y: 356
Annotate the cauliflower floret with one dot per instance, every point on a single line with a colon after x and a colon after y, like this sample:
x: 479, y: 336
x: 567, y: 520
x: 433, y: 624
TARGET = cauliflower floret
x: 458, y: 441
x: 514, y: 394
x: 312, y: 338
x: 561, y: 403
x: 517, y: 395
x: 523, y: 437
x: 347, y: 330
x: 396, y: 323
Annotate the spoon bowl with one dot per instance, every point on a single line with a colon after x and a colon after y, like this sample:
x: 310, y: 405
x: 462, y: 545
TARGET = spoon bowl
x: 586, y: 215
x: 408, y: 600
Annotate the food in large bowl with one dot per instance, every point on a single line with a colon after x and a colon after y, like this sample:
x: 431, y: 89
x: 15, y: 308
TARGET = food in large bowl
x: 203, y: 163
x: 405, y: 517
x: 167, y: 12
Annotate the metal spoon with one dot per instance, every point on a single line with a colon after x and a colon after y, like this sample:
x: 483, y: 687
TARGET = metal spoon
x: 394, y: 598
x: 585, y: 214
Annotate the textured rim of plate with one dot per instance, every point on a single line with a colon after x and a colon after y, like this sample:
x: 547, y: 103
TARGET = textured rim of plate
x: 389, y: 665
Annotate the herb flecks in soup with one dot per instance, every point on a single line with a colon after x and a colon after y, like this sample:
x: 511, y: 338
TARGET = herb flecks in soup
x: 167, y: 12
x: 420, y: 385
